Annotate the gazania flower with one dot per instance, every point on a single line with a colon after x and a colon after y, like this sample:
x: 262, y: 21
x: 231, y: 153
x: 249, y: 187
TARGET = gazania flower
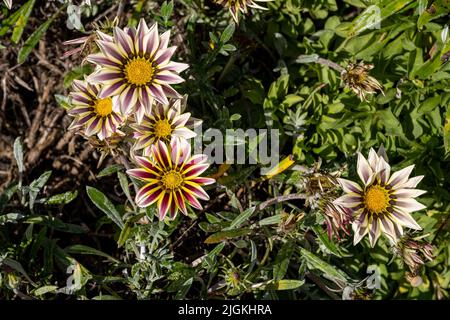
x: 172, y: 178
x: 384, y: 201
x: 165, y: 122
x: 93, y: 113
x: 135, y: 65
x: 357, y: 78
x: 241, y: 5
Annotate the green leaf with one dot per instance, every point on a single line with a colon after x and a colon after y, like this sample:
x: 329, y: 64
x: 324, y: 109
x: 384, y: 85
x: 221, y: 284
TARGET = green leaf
x: 110, y: 170
x: 282, y: 260
x: 373, y: 15
x: 278, y: 285
x: 76, y: 74
x: 227, y: 33
x: 104, y: 204
x: 224, y: 235
x: 82, y: 249
x: 124, y: 234
x: 243, y: 217
x: 18, y: 267
x: 36, y: 186
x: 10, y: 218
x: 18, y: 154
x: 316, y: 263
x: 55, y: 223
x: 32, y: 41
x: 63, y: 198
x: 429, y: 104
x: 123, y: 180
x: 10, y: 21
x: 22, y: 20
x: 166, y: 10
x: 45, y: 289
x: 276, y: 219
x: 63, y: 101
x: 7, y: 195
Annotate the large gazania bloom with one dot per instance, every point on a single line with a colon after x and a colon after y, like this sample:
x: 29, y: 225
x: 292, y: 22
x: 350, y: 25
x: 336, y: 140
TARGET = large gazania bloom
x: 236, y: 6
x: 164, y: 123
x: 94, y: 114
x: 135, y: 65
x: 172, y: 178
x: 384, y: 201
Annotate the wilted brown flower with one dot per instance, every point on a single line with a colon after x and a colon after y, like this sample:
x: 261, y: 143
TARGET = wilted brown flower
x: 337, y: 219
x: 414, y: 253
x: 107, y: 146
x: 357, y: 78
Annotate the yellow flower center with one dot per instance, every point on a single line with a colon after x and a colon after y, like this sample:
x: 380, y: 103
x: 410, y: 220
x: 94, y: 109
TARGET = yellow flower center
x: 162, y: 128
x: 172, y: 180
x: 376, y: 199
x: 139, y: 71
x: 103, y: 107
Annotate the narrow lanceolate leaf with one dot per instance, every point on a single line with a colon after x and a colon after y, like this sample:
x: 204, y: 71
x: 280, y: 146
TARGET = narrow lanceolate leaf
x: 82, y: 249
x: 10, y: 218
x: 314, y: 262
x: 7, y: 195
x: 104, y: 204
x: 225, y: 235
x: 124, y: 235
x: 63, y: 198
x: 323, y: 237
x: 22, y: 20
x: 45, y: 289
x: 227, y: 33
x: 446, y: 132
x: 62, y: 101
x: 13, y: 264
x: 243, y: 217
x: 36, y: 186
x: 373, y: 16
x: 278, y: 285
x: 32, y: 41
x: 123, y: 180
x: 109, y: 170
x: 18, y: 154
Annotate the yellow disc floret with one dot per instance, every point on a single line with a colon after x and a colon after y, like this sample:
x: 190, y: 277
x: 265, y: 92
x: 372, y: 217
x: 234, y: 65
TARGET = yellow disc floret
x: 103, y: 107
x: 376, y: 199
x: 172, y: 180
x: 162, y: 129
x: 139, y: 71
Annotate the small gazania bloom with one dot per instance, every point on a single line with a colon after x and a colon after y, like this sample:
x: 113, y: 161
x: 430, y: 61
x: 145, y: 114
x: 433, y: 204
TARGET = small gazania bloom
x: 135, y: 65
x: 236, y: 6
x: 94, y: 114
x: 164, y: 123
x: 357, y: 78
x: 384, y: 201
x: 172, y: 178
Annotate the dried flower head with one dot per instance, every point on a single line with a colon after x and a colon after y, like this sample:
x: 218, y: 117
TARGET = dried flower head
x: 357, y: 78
x: 337, y: 219
x: 236, y: 6
x: 414, y: 253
